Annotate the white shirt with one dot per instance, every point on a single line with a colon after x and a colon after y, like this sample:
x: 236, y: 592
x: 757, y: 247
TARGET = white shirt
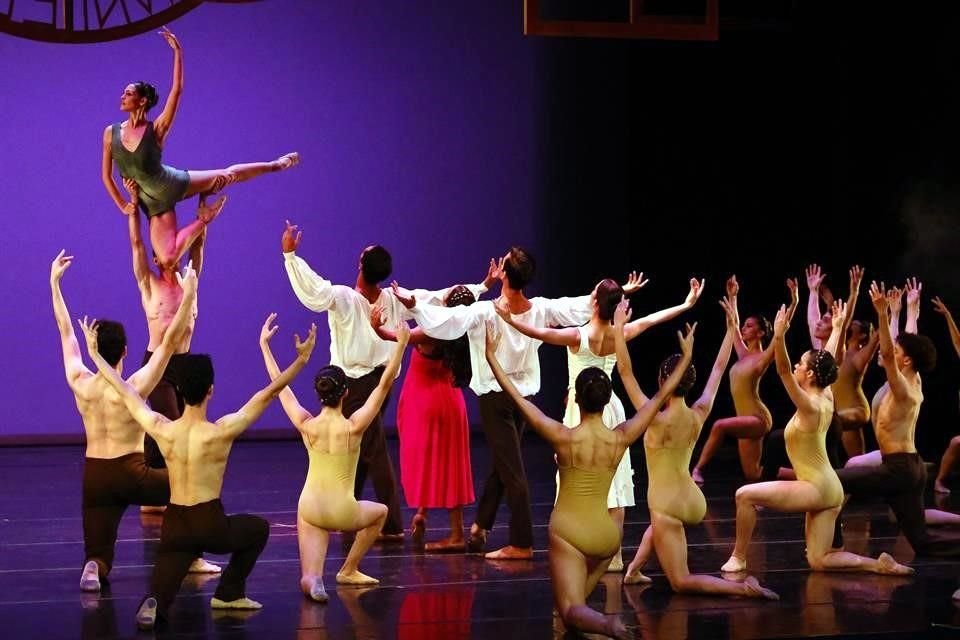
x: 516, y: 353
x: 354, y: 346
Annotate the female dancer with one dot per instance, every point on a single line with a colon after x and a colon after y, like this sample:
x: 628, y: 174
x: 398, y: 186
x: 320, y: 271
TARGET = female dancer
x: 592, y: 345
x: 817, y: 490
x: 953, y: 450
x: 432, y: 424
x: 583, y: 537
x: 753, y: 420
x: 135, y: 147
x: 674, y: 499
x: 333, y: 447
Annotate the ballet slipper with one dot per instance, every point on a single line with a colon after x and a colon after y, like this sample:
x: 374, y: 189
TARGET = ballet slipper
x: 754, y: 590
x: 207, y: 212
x: 355, y: 578
x: 510, y: 552
x: 418, y: 529
x: 889, y: 566
x: 202, y: 566
x: 147, y: 614
x: 616, y: 563
x: 697, y: 476
x: 636, y: 578
x: 90, y: 578
x: 286, y: 161
x: 313, y: 589
x: 734, y: 565
x: 239, y: 603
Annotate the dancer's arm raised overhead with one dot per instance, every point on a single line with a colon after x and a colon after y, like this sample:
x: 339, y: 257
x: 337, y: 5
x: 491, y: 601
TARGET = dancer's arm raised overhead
x: 800, y: 398
x: 624, y: 363
x: 838, y: 320
x: 941, y: 308
x: 141, y: 263
x: 362, y: 417
x: 881, y: 303
x: 636, y: 425
x: 856, y: 277
x: 163, y: 122
x: 552, y: 431
x: 704, y: 404
x: 913, y: 288
x: 768, y: 353
x: 564, y: 337
x: 316, y: 293
x: 894, y: 297
x: 814, y: 280
x: 195, y: 253
x: 636, y: 327
x: 729, y: 304
x: 72, y: 360
x: 291, y: 406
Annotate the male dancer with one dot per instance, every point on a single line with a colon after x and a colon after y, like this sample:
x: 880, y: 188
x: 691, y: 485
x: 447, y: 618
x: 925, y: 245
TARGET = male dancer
x: 356, y: 348
x: 115, y: 474
x: 503, y: 425
x: 196, y: 452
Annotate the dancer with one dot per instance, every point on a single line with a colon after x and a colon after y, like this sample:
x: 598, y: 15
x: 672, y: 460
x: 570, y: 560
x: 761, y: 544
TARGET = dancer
x: 674, y: 499
x: 950, y: 456
x: 356, y: 348
x: 432, y: 424
x: 817, y: 490
x: 503, y: 424
x: 135, y: 147
x: 753, y: 420
x: 196, y: 451
x: 333, y: 447
x: 592, y: 345
x: 115, y: 474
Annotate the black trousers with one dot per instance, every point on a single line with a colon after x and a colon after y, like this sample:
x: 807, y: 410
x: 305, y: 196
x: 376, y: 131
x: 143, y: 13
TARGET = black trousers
x: 503, y: 426
x: 374, y: 458
x: 110, y: 485
x: 189, y: 531
x: 900, y: 481
x: 166, y: 400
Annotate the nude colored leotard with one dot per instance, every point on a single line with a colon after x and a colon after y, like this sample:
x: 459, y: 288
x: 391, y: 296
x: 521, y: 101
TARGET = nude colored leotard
x: 807, y: 451
x: 327, y: 498
x: 670, y: 489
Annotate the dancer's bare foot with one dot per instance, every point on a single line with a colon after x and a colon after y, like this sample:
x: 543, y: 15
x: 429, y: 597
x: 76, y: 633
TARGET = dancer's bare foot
x: 696, y: 475
x: 889, y: 566
x: 734, y: 565
x: 355, y: 577
x: 286, y: 161
x: 939, y: 487
x: 510, y: 552
x: 754, y: 590
x: 312, y: 587
x: 634, y: 576
x: 202, y: 566
x: 207, y: 212
x: 451, y: 544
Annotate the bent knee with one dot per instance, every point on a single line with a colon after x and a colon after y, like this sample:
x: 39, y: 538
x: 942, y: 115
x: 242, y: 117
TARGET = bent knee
x: 815, y: 561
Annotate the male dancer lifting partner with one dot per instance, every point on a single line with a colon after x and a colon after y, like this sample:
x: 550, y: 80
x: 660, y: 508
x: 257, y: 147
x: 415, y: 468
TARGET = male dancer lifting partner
x: 503, y: 424
x: 356, y: 348
x: 115, y: 473
x: 196, y: 451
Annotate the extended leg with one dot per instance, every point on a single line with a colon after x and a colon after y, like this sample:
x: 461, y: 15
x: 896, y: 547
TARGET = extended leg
x: 213, y: 180
x: 313, y: 542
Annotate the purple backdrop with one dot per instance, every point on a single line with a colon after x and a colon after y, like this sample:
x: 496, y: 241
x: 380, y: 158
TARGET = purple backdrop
x: 416, y: 126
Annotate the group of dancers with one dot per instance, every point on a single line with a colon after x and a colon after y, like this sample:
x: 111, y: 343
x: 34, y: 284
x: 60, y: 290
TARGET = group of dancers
x: 169, y: 453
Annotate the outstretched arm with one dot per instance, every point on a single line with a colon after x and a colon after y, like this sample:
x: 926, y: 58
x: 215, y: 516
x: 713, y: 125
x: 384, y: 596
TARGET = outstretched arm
x: 638, y: 326
x: 705, y: 403
x: 151, y: 422
x: 141, y: 265
x: 894, y: 297
x: 72, y: 360
x: 913, y: 287
x: 362, y: 417
x: 814, y: 280
x: 951, y: 324
x: 564, y: 337
x: 838, y: 320
x: 768, y: 354
x: 881, y: 302
x: 635, y: 426
x: 234, y: 424
x: 856, y: 277
x: 378, y: 321
x: 195, y: 253
x: 784, y: 369
x: 313, y: 291
x: 163, y: 122
x: 624, y: 363
x: 729, y: 304
x: 294, y: 410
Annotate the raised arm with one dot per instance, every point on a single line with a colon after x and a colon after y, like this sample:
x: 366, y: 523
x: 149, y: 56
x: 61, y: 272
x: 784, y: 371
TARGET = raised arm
x: 881, y: 303
x: 234, y: 424
x: 362, y: 417
x: 704, y: 404
x: 635, y: 426
x: 151, y: 422
x: 294, y: 410
x: 856, y: 277
x: 72, y: 360
x: 838, y: 320
x: 624, y: 363
x: 106, y: 175
x: 729, y: 304
x: 378, y: 320
x: 814, y: 280
x: 800, y: 399
x: 163, y: 122
x: 913, y: 287
x: 894, y: 297
x: 195, y: 254
x: 564, y: 337
x: 638, y: 326
x: 552, y: 431
x: 141, y: 264
x: 313, y: 291
x: 768, y: 353
x: 941, y: 308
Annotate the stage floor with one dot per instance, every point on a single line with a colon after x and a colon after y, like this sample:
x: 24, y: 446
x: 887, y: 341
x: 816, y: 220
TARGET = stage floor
x: 441, y: 596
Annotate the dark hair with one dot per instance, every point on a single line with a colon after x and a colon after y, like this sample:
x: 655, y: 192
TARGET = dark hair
x: 331, y: 384
x: 824, y: 367
x: 520, y: 268
x: 111, y: 341
x: 688, y: 379
x: 376, y: 265
x: 456, y: 352
x: 196, y: 377
x: 865, y: 329
x: 609, y: 295
x: 766, y: 327
x: 593, y: 389
x: 920, y: 349
x: 148, y: 91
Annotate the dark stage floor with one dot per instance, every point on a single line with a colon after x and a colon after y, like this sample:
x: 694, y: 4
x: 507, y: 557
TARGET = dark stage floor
x: 434, y: 596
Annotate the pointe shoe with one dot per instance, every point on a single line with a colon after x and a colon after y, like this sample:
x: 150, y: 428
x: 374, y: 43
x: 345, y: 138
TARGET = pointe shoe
x: 316, y: 590
x: 287, y: 161
x: 202, y: 566
x: 510, y: 552
x: 90, y: 578
x: 734, y: 565
x: 147, y: 614
x: 418, y: 530
x: 239, y: 603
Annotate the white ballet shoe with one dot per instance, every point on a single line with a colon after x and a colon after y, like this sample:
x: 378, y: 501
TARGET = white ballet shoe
x: 734, y: 565
x: 239, y: 603
x: 90, y: 578
x: 316, y: 590
x: 636, y: 578
x: 202, y: 566
x: 616, y: 564
x: 147, y: 614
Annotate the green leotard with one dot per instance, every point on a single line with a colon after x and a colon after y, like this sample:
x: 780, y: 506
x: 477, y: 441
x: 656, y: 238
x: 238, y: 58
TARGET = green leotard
x: 161, y: 187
